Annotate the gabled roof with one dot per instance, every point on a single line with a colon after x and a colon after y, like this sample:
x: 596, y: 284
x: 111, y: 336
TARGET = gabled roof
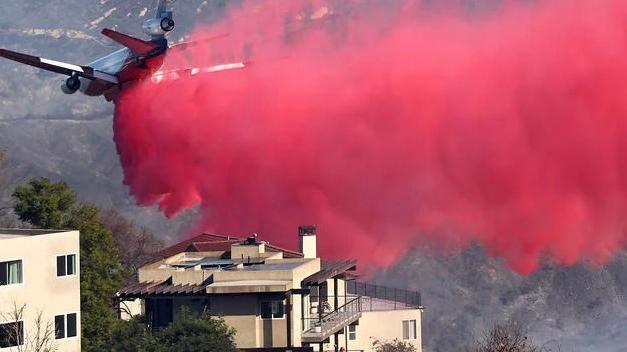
x: 216, y: 246
x: 205, y: 237
x: 210, y: 242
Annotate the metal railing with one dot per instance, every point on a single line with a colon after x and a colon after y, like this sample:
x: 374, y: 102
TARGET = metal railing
x: 323, y: 324
x: 396, y: 298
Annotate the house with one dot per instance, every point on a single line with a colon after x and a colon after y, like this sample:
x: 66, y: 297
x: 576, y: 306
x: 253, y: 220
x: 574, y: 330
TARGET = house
x: 276, y: 299
x: 39, y: 289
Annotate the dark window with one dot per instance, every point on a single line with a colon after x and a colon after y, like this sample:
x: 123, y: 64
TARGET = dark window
x: 61, y: 270
x: 272, y: 310
x: 66, y: 265
x: 71, y: 325
x: 11, y: 334
x: 11, y: 272
x: 65, y: 326
x: 59, y: 327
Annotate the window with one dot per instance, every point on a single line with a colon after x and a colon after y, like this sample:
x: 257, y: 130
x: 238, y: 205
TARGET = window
x: 10, y: 272
x: 66, y: 265
x: 272, y: 310
x: 409, y: 329
x: 352, y: 332
x: 11, y: 334
x: 65, y: 326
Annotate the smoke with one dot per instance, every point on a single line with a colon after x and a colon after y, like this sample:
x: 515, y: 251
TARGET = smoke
x: 391, y: 126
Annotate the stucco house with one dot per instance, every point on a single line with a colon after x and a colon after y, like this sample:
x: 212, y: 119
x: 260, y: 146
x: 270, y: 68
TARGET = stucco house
x: 276, y: 299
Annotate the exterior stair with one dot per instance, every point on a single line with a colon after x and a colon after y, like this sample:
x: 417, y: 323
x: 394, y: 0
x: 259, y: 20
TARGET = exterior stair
x: 332, y: 322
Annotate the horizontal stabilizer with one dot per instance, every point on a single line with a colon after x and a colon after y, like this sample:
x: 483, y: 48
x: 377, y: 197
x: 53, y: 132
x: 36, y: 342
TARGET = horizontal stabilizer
x: 58, y: 66
x: 138, y: 46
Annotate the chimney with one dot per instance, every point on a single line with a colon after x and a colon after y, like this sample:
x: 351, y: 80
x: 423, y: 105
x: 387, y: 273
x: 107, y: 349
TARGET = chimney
x: 307, y: 240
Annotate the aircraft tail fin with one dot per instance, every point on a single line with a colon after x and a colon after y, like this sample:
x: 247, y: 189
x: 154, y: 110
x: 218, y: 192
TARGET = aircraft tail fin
x: 138, y: 46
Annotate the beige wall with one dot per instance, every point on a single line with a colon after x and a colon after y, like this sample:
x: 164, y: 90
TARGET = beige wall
x: 41, y: 290
x: 384, y: 326
x: 242, y: 312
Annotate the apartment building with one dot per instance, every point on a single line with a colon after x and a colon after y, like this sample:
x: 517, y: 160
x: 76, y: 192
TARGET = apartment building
x: 276, y: 299
x: 39, y: 289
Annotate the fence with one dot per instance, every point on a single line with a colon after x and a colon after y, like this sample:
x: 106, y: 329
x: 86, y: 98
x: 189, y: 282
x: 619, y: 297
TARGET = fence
x: 395, y: 298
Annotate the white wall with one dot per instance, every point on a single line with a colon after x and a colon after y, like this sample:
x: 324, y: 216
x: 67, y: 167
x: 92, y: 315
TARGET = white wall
x: 41, y: 290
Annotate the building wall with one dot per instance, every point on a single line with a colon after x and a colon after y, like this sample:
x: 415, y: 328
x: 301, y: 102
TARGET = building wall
x: 41, y: 290
x: 242, y: 312
x: 384, y: 326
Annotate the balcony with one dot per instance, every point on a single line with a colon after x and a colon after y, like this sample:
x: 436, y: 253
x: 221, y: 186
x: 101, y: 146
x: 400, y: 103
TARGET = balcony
x: 380, y: 298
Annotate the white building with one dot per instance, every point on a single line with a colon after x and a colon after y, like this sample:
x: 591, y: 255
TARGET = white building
x: 39, y: 278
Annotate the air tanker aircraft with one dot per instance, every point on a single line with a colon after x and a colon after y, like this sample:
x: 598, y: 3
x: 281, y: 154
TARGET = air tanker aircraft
x: 139, y: 59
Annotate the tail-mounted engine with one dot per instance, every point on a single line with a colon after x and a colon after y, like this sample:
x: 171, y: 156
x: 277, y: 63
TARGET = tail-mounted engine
x: 159, y: 26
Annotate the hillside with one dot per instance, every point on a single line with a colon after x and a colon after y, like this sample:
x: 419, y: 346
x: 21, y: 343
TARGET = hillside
x: 69, y: 138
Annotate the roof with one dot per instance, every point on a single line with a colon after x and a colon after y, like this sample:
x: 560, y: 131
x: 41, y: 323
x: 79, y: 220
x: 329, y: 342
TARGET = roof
x: 160, y: 288
x: 205, y: 237
x: 330, y: 270
x: 210, y: 242
x: 286, y: 253
x: 216, y: 246
x: 15, y: 233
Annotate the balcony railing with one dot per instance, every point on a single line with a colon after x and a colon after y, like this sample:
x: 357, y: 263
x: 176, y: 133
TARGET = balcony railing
x: 326, y: 324
x: 377, y: 297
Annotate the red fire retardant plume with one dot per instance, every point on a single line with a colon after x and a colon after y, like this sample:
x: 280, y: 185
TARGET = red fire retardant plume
x: 394, y: 126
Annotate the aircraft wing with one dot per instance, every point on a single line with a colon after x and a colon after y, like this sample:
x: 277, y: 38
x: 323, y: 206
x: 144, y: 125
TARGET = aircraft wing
x: 58, y: 67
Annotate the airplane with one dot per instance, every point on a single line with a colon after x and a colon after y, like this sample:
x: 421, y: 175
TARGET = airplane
x: 139, y: 59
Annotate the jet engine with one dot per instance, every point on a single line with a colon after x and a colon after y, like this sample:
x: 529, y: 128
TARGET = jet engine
x: 158, y: 26
x: 71, y: 85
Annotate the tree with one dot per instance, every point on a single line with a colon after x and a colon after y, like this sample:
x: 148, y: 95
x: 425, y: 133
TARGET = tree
x: 44, y: 204
x: 53, y: 205
x: 190, y: 332
x: 132, y: 336
x: 39, y: 339
x: 509, y: 337
x: 137, y: 246
x: 197, y: 333
x: 101, y: 277
x: 392, y: 346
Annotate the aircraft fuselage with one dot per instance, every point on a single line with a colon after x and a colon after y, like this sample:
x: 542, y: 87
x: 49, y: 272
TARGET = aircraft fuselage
x: 124, y: 64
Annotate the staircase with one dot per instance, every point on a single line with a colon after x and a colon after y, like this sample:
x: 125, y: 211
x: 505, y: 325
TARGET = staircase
x: 332, y: 322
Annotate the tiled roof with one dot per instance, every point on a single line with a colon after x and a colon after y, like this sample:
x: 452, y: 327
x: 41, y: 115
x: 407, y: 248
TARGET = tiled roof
x: 209, y: 242
x: 205, y: 237
x: 217, y: 246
